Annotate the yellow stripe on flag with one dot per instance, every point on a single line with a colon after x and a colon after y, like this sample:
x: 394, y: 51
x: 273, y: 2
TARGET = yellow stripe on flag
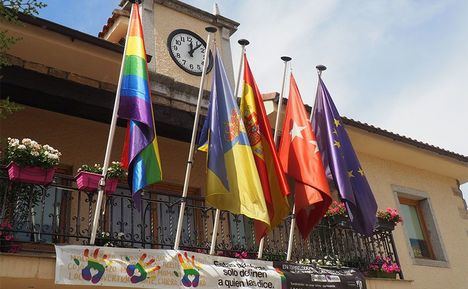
x: 135, y: 46
x: 245, y: 195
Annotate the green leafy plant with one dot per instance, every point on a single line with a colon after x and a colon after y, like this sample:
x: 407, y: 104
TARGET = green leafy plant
x: 28, y: 152
x: 8, y: 107
x: 336, y: 209
x: 391, y: 215
x: 327, y: 261
x: 115, y: 170
x: 9, y: 10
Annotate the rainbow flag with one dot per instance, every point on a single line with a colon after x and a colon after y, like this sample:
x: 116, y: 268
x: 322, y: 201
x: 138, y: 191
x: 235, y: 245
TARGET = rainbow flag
x: 142, y: 153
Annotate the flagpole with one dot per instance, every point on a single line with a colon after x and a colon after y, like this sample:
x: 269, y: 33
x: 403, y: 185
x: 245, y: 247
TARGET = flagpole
x: 320, y: 69
x: 243, y: 43
x: 188, y: 170
x: 110, y: 140
x: 285, y: 59
x: 291, y: 233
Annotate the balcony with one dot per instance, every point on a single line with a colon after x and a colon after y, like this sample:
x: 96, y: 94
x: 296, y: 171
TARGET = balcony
x: 42, y: 216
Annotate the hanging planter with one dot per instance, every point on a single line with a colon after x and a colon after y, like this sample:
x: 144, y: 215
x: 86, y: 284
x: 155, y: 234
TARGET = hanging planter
x: 30, y: 175
x: 29, y: 162
x: 336, y: 215
x: 89, y: 182
x: 88, y: 177
x: 387, y: 220
x: 380, y: 274
x: 338, y: 220
x: 383, y: 267
x: 384, y: 225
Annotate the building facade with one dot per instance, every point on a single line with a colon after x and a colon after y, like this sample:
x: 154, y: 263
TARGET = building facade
x: 66, y: 81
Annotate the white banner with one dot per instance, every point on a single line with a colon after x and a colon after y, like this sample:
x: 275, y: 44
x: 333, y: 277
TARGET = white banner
x: 162, y: 269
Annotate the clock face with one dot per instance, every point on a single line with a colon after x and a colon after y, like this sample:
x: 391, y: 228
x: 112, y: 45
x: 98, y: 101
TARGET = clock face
x: 187, y: 49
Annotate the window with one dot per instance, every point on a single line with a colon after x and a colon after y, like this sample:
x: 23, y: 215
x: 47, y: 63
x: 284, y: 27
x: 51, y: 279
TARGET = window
x: 424, y: 240
x: 416, y: 228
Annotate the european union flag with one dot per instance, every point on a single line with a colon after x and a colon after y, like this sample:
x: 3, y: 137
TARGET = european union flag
x: 342, y: 164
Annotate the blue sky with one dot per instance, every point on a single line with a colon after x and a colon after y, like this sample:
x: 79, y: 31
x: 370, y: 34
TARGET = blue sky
x: 397, y: 64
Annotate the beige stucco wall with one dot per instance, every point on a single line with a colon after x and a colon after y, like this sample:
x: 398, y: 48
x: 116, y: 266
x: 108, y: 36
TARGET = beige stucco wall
x: 64, y: 53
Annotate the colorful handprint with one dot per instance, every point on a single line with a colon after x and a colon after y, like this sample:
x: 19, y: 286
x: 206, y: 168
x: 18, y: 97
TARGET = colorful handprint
x: 191, y: 276
x: 139, y: 272
x: 96, y: 266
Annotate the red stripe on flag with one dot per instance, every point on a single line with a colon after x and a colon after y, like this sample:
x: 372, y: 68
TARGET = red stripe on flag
x: 126, y: 146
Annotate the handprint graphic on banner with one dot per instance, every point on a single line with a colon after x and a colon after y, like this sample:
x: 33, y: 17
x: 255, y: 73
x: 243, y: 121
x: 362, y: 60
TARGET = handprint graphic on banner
x: 95, y: 267
x: 141, y: 271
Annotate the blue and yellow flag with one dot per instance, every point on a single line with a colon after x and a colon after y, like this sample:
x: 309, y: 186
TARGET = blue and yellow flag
x: 233, y: 183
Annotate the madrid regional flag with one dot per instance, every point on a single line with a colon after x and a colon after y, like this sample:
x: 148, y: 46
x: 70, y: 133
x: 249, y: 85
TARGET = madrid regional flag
x: 300, y: 157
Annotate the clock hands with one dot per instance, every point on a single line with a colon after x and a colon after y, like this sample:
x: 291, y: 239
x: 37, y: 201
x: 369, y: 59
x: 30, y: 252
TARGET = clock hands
x: 192, y: 49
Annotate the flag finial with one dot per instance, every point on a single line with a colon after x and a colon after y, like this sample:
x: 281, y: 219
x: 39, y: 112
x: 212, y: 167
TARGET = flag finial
x: 243, y: 42
x: 320, y: 69
x: 211, y: 29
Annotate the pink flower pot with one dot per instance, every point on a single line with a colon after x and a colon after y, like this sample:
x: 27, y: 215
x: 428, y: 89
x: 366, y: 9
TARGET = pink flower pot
x: 30, y: 175
x: 89, y: 182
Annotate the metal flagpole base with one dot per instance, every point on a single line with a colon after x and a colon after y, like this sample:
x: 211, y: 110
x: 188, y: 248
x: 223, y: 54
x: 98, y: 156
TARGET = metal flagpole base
x: 215, y: 232
x: 291, y: 233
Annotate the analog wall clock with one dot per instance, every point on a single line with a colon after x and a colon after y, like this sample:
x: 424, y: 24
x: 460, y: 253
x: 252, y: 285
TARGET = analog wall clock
x: 187, y: 49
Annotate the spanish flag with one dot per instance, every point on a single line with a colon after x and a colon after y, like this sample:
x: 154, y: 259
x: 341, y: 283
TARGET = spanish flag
x: 233, y: 183
x: 272, y: 178
x: 141, y: 145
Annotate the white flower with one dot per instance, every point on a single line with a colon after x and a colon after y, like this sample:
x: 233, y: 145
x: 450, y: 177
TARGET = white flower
x: 21, y: 147
x: 13, y: 142
x: 34, y: 153
x: 120, y: 234
x: 26, y: 141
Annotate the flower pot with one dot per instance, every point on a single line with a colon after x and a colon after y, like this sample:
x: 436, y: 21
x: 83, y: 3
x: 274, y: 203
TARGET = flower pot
x: 338, y: 220
x: 380, y: 274
x: 89, y: 182
x: 30, y: 175
x: 384, y: 225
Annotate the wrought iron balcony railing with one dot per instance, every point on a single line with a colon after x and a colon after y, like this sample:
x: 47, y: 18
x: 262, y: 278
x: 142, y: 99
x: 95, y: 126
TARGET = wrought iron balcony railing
x: 59, y: 213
